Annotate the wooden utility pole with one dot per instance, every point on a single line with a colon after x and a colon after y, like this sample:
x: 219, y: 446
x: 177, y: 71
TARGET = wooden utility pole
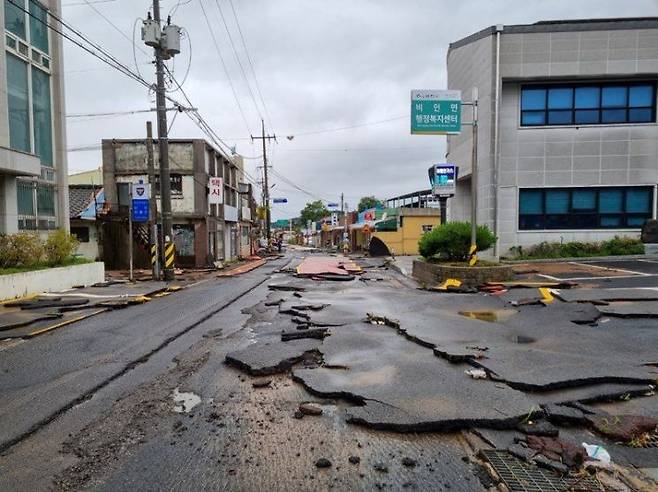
x: 266, y: 188
x: 153, y: 219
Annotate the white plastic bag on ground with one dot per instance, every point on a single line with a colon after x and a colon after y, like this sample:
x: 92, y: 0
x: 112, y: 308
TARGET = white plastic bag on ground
x: 597, y: 453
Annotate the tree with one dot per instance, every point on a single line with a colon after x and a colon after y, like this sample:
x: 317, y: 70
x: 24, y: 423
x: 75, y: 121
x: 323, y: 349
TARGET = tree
x: 313, y: 211
x: 369, y: 202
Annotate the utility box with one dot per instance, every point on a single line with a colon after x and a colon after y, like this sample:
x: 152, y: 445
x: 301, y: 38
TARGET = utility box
x: 171, y: 40
x: 151, y: 33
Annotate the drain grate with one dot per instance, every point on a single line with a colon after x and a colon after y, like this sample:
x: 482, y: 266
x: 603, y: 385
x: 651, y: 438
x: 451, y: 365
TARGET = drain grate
x: 525, y: 477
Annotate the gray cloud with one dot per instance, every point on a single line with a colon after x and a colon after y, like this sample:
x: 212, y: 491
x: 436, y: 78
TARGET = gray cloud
x: 321, y: 65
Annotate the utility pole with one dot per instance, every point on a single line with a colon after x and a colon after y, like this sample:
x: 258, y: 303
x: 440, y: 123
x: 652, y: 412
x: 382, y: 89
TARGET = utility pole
x: 153, y: 205
x: 266, y: 188
x: 474, y: 182
x: 162, y: 48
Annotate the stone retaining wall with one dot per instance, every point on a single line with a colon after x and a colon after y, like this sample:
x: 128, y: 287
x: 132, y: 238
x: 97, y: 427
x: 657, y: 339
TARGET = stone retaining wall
x: 433, y: 273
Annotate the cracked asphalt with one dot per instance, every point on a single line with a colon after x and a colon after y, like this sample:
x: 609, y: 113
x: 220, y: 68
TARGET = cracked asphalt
x: 92, y: 406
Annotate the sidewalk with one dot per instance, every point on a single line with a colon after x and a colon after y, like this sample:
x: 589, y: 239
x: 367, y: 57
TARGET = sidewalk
x: 404, y: 264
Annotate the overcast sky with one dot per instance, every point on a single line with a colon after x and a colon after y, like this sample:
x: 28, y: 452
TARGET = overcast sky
x: 321, y: 65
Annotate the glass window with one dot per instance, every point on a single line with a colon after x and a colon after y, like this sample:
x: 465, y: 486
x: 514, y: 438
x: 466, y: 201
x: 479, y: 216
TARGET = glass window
x: 638, y: 200
x: 613, y: 116
x: 560, y: 98
x: 531, y: 202
x: 38, y: 26
x: 18, y: 104
x: 46, y: 200
x: 15, y: 18
x: 587, y: 97
x: 613, y: 97
x: 43, y: 130
x: 530, y: 118
x: 25, y: 195
x: 584, y: 208
x: 587, y: 116
x: 583, y: 199
x: 610, y: 221
x: 533, y: 99
x: 559, y: 117
x: 644, y: 115
x: 640, y: 96
x: 611, y: 201
x: 557, y: 201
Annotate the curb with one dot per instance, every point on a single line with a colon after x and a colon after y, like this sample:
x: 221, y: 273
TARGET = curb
x: 582, y: 258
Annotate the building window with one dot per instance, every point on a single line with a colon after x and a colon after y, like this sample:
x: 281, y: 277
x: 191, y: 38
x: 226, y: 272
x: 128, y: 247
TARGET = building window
x: 18, y: 104
x: 176, y: 184
x: 585, y: 208
x: 81, y: 233
x: 588, y: 104
x: 38, y: 26
x: 25, y: 194
x: 46, y: 200
x: 43, y: 129
x: 15, y: 18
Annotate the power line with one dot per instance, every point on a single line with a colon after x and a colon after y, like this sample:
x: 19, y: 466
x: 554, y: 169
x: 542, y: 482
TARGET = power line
x: 237, y: 58
x: 123, y: 34
x: 251, y: 64
x: 228, y: 77
x: 86, y: 3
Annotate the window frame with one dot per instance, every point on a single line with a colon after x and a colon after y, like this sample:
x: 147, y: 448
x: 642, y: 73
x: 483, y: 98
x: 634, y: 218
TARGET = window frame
x: 545, y: 113
x: 582, y: 219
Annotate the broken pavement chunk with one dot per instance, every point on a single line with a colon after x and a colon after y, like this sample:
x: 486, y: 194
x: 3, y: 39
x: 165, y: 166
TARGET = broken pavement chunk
x: 318, y: 333
x: 261, y: 383
x: 310, y: 409
x: 538, y: 428
x: 557, y: 450
x: 622, y: 427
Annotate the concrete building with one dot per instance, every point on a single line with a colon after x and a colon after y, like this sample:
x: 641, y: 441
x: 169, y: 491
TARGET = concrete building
x: 203, y: 232
x: 567, y: 140
x: 33, y: 166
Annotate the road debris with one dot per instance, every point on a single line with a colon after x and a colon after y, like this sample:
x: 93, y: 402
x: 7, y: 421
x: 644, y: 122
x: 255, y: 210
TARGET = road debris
x: 310, y: 409
x: 323, y: 463
x: 185, y: 401
x: 598, y: 454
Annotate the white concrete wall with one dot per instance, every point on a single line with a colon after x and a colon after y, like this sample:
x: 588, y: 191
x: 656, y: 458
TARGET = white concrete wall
x: 50, y: 280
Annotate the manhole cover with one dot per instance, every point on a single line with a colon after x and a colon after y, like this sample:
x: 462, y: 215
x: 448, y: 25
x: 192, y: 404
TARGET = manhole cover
x: 525, y: 477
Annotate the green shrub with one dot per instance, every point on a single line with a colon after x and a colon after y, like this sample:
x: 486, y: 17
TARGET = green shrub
x: 20, y: 250
x: 59, y: 247
x: 612, y: 247
x: 622, y: 246
x: 452, y: 241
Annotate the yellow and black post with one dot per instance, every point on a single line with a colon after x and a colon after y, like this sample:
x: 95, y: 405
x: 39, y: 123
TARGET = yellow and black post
x: 169, y: 254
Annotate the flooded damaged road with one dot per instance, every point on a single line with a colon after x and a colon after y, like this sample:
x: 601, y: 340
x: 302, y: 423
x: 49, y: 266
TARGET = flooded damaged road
x: 329, y: 373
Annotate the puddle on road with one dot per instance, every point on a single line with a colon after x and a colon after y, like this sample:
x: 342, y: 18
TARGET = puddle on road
x: 491, y: 316
x: 185, y: 401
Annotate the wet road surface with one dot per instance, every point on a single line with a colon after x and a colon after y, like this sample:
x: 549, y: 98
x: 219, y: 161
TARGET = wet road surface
x: 197, y: 391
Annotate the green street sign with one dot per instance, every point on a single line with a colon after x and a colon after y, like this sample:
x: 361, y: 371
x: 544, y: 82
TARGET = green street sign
x: 436, y: 112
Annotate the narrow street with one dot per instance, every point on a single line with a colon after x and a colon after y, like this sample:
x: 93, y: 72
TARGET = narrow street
x: 205, y: 389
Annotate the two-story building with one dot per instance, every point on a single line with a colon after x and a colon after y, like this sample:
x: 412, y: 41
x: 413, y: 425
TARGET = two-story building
x: 33, y: 166
x: 567, y: 132
x: 203, y: 232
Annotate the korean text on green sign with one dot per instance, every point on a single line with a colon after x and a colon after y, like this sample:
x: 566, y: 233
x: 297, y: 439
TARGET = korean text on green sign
x: 435, y: 112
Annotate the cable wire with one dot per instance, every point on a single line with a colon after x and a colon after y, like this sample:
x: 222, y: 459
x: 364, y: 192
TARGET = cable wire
x: 223, y: 63
x: 237, y: 58
x: 251, y: 64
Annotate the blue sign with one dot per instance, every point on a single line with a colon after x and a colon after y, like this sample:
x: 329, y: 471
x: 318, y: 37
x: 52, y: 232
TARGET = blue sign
x: 443, y: 178
x: 140, y: 210
x: 279, y: 200
x: 332, y: 205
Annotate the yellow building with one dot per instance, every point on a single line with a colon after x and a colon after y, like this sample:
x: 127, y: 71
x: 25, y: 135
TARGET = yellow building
x: 400, y: 234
